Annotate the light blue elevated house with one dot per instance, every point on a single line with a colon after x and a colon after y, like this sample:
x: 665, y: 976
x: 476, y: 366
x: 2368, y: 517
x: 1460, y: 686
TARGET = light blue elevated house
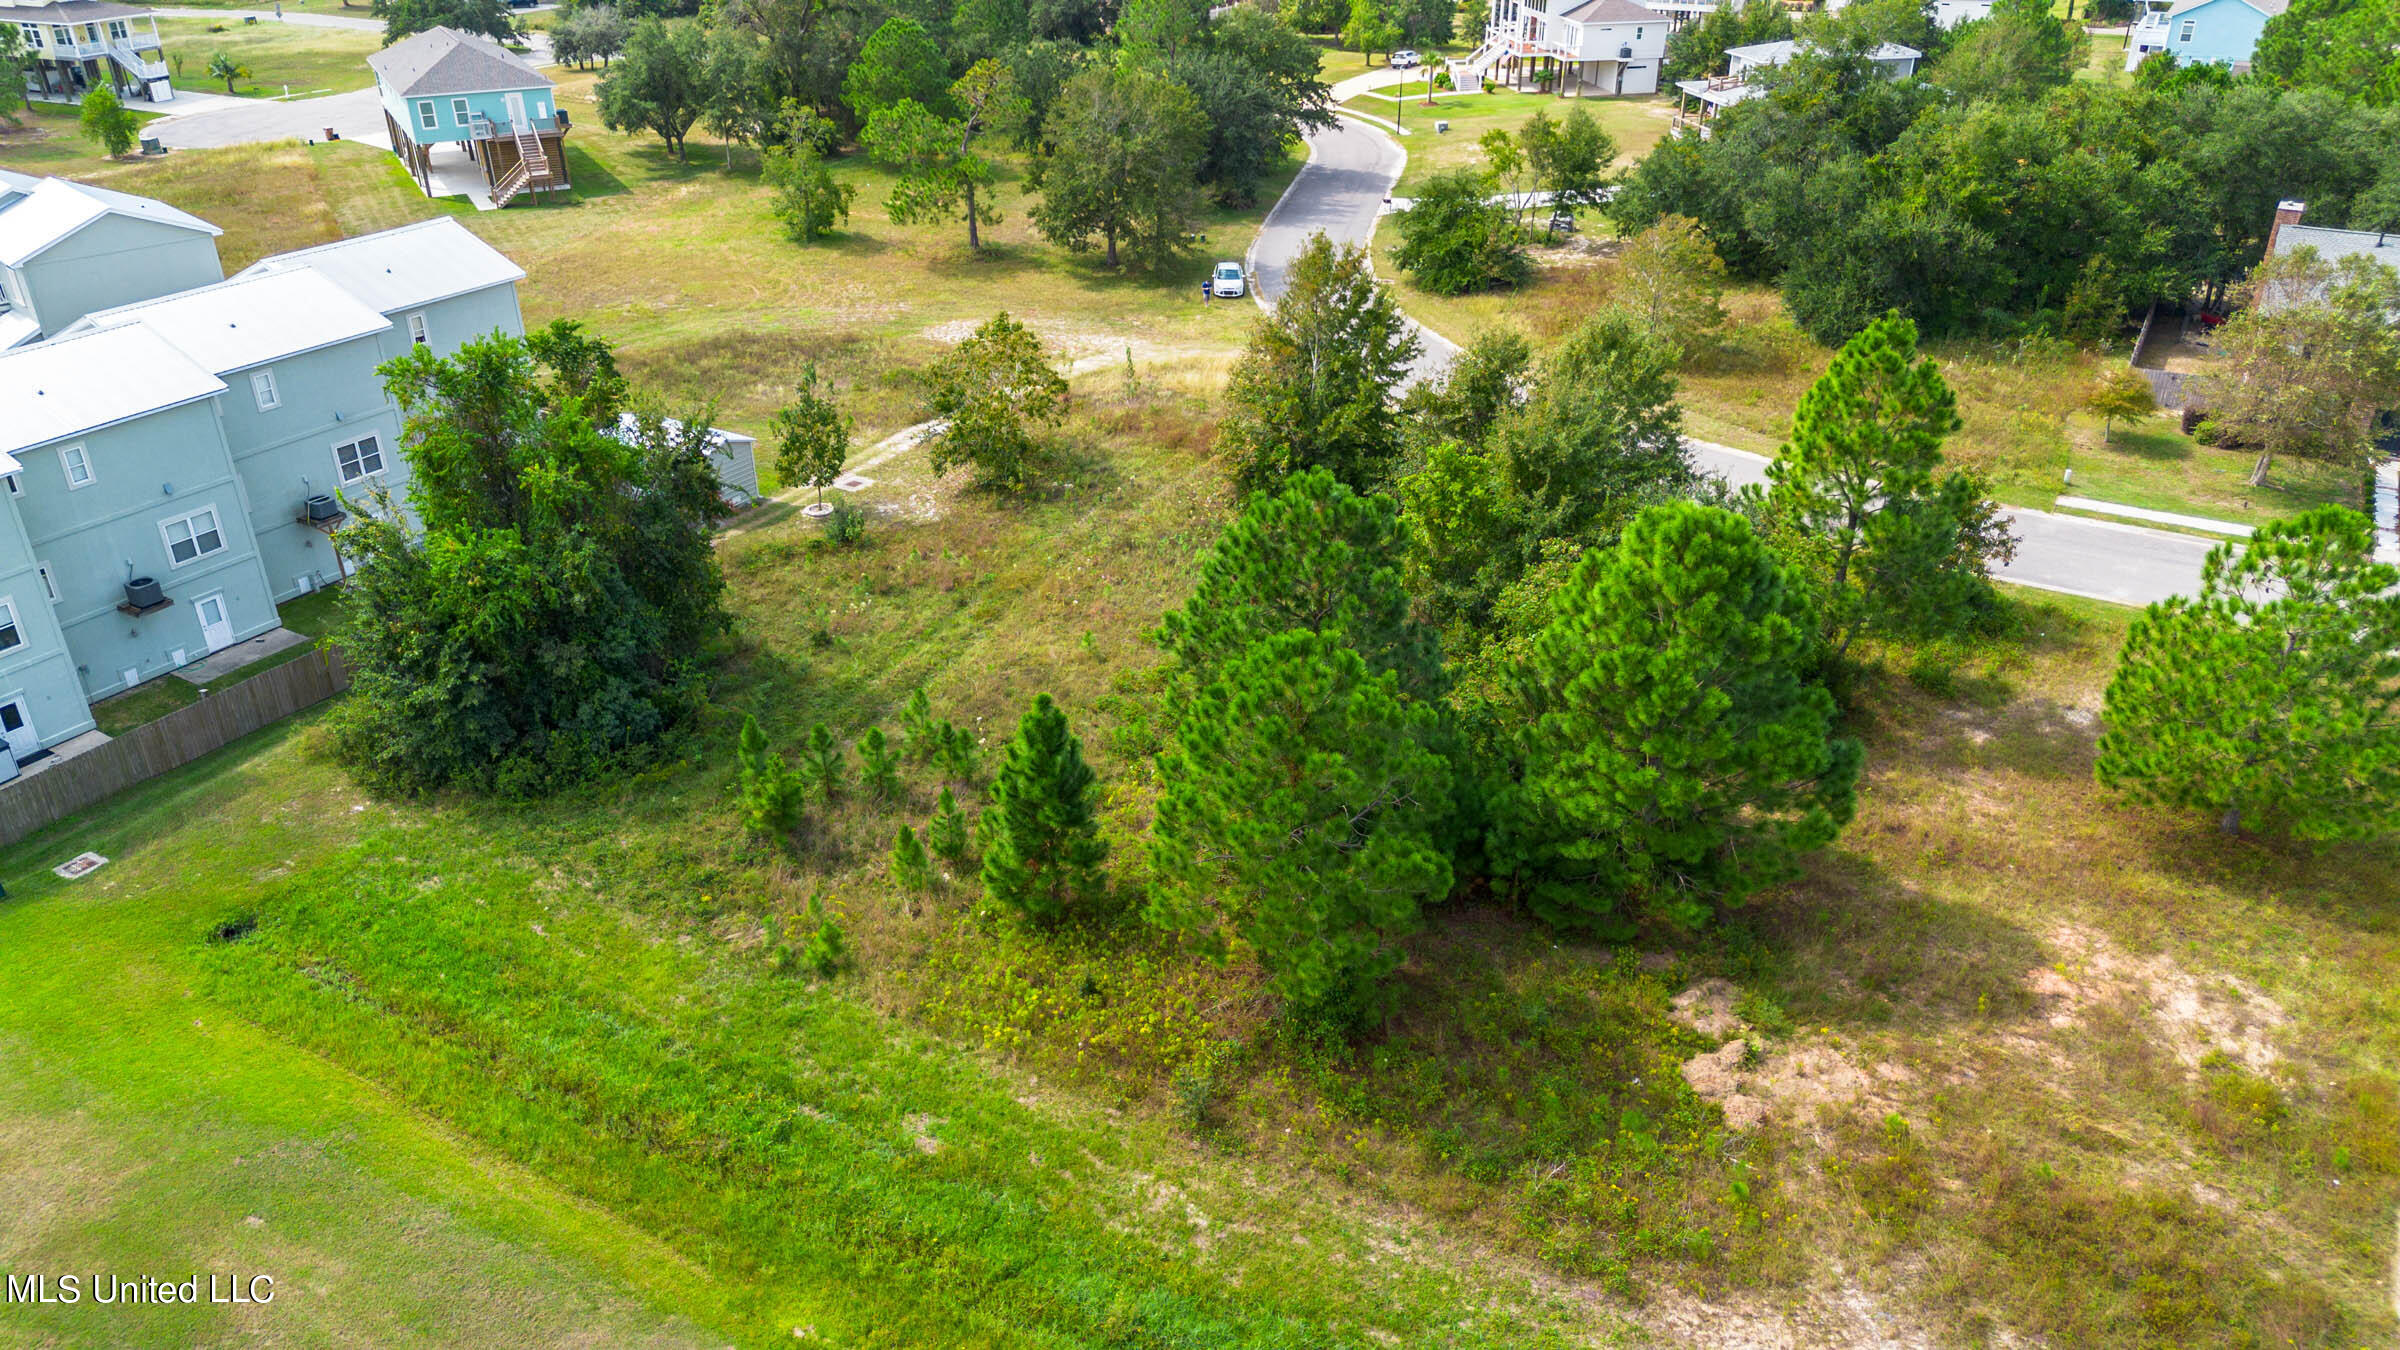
x: 2219, y: 32
x: 68, y: 248
x: 445, y: 92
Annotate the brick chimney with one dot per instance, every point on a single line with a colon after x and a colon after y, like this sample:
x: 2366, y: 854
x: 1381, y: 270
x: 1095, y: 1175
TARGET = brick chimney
x: 2287, y: 212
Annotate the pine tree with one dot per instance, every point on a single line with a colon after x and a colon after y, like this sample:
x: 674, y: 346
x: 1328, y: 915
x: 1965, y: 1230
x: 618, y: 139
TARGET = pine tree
x: 909, y: 867
x: 1041, y: 842
x: 947, y: 835
x: 1904, y: 545
x: 1301, y: 802
x: 1678, y: 753
x: 919, y: 736
x: 1316, y: 385
x: 878, y: 766
x: 823, y: 763
x: 2274, y: 697
x: 770, y: 788
x: 955, y: 747
x: 1313, y: 557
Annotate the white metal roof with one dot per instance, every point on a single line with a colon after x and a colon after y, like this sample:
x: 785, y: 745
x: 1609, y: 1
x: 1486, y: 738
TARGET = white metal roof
x: 393, y: 270
x: 16, y: 327
x: 249, y: 321
x: 71, y: 385
x: 1777, y: 53
x: 32, y: 219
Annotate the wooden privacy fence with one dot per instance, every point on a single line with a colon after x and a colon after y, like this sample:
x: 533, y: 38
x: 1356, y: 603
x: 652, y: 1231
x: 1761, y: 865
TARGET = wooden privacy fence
x: 170, y: 742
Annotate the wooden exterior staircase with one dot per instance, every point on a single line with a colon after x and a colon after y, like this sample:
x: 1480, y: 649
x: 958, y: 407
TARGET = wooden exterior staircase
x: 531, y: 164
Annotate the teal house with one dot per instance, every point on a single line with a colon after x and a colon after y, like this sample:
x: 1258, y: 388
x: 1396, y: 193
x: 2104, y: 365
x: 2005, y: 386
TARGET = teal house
x: 454, y: 101
x: 2217, y: 32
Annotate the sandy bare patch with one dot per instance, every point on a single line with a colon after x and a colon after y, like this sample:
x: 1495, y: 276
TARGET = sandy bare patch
x: 1707, y: 1007
x: 920, y: 1132
x: 1795, y: 1085
x: 2198, y: 1016
x: 1847, y: 1317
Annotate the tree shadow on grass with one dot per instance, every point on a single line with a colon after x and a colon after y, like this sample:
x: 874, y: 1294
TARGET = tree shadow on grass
x: 1852, y: 943
x: 2137, y: 443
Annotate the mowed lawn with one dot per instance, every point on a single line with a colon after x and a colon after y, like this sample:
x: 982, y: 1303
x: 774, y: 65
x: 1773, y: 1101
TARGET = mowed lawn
x: 1636, y: 124
x: 281, y: 57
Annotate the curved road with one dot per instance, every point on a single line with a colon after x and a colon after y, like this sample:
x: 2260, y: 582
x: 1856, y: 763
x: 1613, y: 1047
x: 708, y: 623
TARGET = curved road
x: 1351, y: 168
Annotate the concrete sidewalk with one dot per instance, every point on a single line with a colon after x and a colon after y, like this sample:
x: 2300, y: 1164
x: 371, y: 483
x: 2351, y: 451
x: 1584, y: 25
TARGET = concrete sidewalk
x: 2182, y: 522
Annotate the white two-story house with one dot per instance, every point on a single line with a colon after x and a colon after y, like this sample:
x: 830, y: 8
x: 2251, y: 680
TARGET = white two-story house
x: 1579, y: 48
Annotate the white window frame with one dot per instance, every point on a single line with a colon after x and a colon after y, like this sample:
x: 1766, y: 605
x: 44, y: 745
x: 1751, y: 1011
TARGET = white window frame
x: 68, y: 457
x: 263, y: 390
x: 342, y: 471
x: 49, y: 581
x: 2184, y: 34
x: 418, y: 331
x: 459, y: 110
x: 216, y: 526
x: 427, y: 118
x: 16, y: 485
x: 14, y: 623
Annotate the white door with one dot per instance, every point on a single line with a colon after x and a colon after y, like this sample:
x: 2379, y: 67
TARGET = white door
x: 16, y: 725
x: 216, y: 630
x: 516, y: 112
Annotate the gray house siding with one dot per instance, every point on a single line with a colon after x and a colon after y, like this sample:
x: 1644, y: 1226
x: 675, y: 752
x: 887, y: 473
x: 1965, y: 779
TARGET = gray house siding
x: 39, y: 671
x: 145, y: 473
x: 329, y: 399
x: 453, y: 323
x: 116, y: 260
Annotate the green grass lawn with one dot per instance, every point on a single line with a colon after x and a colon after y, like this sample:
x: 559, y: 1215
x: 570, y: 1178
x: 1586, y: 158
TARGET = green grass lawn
x: 1637, y: 124
x: 2105, y: 62
x: 359, y: 10
x: 280, y: 57
x: 2151, y: 464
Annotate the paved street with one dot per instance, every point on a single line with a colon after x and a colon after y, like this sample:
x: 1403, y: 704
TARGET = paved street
x: 1352, y: 167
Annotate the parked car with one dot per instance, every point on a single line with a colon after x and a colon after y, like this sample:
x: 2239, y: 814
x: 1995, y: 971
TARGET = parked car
x: 1405, y: 59
x: 1226, y: 283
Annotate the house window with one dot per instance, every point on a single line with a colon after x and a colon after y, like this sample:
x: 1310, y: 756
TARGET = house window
x: 77, y: 461
x: 49, y: 582
x: 1637, y: 34
x: 425, y: 115
x: 193, y: 536
x: 2186, y: 34
x: 358, y: 458
x: 15, y: 488
x: 62, y: 35
x: 262, y: 388
x: 117, y: 30
x: 12, y: 635
x: 417, y: 332
x: 458, y: 109
x: 33, y: 34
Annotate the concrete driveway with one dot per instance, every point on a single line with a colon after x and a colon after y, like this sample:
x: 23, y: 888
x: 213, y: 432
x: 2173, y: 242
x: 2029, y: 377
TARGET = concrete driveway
x: 1340, y: 192
x: 357, y: 116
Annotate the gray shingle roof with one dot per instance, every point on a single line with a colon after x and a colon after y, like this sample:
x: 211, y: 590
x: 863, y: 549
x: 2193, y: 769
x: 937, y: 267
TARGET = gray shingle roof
x: 1614, y: 11
x: 447, y: 61
x: 2334, y: 245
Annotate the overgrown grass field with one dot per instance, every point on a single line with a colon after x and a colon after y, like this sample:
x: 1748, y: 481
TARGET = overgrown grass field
x: 2012, y: 1059
x: 2025, y: 1057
